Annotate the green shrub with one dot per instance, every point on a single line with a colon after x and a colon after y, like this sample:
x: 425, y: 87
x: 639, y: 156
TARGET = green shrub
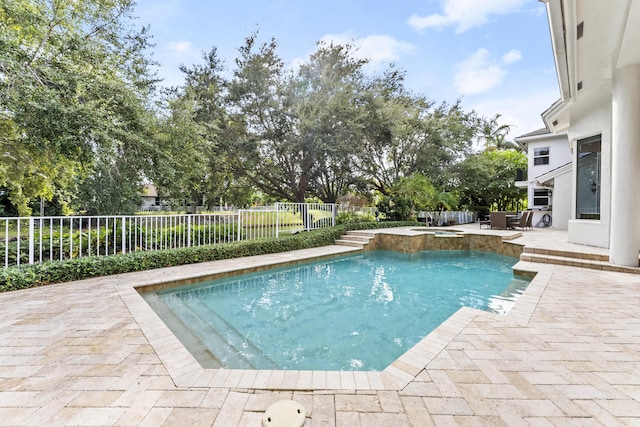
x: 351, y: 217
x: 27, y: 276
x: 199, y: 233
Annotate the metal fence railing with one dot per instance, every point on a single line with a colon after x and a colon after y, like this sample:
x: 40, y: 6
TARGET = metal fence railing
x: 437, y: 218
x: 30, y: 240
x: 294, y: 217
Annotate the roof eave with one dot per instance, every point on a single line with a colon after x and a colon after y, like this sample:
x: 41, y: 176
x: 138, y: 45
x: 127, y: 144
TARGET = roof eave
x: 557, y: 25
x: 556, y: 117
x: 548, y: 176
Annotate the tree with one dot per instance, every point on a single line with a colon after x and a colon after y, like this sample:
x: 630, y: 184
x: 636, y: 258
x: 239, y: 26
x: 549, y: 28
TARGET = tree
x: 110, y: 188
x: 392, y: 116
x: 495, y: 134
x: 190, y: 159
x: 419, y: 193
x: 74, y: 82
x: 408, y: 134
x: 488, y: 179
x: 302, y: 129
x: 417, y: 189
x: 446, y: 138
x: 269, y: 153
x: 328, y: 88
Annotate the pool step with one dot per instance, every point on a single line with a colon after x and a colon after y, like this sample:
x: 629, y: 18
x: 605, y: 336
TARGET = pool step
x: 566, y: 254
x: 356, y: 239
x: 242, y: 349
x: 574, y: 259
x: 222, y: 340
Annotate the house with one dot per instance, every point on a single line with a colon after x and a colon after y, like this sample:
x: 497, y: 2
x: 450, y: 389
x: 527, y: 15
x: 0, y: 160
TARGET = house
x: 549, y: 177
x: 596, y: 47
x: 150, y: 198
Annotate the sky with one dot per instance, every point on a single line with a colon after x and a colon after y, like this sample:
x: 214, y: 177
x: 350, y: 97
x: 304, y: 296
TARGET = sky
x: 493, y: 55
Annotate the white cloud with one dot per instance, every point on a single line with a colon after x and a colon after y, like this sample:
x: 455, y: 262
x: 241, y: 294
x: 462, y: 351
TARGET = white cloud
x: 377, y: 48
x: 383, y: 48
x: 179, y: 47
x: 465, y: 14
x: 478, y: 73
x: 512, y: 56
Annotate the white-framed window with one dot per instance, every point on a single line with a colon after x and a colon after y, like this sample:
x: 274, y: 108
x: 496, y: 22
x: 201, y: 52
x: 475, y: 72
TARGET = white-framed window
x: 541, y: 197
x: 588, y: 178
x: 541, y: 156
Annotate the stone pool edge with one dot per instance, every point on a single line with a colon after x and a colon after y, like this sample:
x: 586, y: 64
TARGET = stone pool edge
x: 185, y: 370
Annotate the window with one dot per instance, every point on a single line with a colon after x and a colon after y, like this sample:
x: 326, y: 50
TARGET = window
x: 588, y: 178
x: 541, y: 156
x: 540, y: 197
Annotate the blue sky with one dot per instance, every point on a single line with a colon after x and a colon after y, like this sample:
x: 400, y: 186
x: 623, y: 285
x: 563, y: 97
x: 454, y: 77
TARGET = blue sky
x: 495, y: 55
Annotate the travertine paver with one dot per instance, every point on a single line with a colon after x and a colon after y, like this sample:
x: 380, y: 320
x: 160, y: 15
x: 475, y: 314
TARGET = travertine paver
x: 568, y: 354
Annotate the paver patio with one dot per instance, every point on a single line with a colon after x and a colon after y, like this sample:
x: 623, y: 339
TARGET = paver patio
x: 568, y: 354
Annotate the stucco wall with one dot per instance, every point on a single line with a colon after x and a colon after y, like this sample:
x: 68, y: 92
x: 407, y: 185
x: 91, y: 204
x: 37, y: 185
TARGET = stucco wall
x: 431, y: 241
x: 589, y: 116
x: 562, y: 201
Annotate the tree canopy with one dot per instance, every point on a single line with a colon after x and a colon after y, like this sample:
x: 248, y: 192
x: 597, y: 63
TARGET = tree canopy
x: 487, y: 179
x: 83, y: 123
x: 74, y: 86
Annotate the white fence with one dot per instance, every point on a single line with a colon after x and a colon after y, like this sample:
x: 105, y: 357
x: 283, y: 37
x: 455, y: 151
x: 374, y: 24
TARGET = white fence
x: 447, y: 217
x: 38, y: 239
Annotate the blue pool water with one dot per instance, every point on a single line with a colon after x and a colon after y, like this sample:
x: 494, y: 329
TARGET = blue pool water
x: 358, y: 312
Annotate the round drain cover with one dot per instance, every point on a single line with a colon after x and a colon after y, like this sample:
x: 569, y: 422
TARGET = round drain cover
x: 285, y: 413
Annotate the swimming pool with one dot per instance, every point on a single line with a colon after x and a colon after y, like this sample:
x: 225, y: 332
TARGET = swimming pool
x: 358, y: 312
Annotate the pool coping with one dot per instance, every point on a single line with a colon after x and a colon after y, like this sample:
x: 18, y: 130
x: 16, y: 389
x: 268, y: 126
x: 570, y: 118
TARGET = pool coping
x: 186, y: 371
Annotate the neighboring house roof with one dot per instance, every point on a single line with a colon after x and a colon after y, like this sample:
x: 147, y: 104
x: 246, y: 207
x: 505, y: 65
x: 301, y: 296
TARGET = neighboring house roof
x: 541, y: 131
x: 150, y: 190
x: 536, y: 135
x: 521, y: 140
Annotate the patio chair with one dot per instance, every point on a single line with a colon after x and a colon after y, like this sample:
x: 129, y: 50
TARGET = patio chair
x: 522, y: 222
x: 530, y: 220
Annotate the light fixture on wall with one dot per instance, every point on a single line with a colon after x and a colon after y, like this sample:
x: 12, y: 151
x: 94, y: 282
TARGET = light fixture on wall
x: 594, y: 187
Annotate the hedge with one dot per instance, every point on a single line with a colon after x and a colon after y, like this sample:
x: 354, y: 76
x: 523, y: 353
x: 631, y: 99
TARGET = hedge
x: 27, y: 276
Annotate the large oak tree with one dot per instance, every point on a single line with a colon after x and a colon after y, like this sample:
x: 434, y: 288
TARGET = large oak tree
x: 74, y: 83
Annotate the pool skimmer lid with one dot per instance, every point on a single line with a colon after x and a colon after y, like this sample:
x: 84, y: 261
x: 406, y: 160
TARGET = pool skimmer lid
x: 285, y: 413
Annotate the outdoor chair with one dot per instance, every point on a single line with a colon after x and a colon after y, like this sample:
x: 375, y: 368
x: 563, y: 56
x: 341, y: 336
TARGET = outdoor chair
x: 522, y: 222
x: 530, y: 220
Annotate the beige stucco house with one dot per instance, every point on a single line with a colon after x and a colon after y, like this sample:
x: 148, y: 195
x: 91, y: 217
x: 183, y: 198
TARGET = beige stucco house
x: 596, y: 46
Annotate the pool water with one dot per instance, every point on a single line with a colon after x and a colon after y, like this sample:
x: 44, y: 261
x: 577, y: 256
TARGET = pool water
x: 358, y: 312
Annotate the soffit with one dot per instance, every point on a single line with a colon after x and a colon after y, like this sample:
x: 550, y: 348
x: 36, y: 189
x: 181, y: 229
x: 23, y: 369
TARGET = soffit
x: 603, y: 25
x: 630, y: 46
